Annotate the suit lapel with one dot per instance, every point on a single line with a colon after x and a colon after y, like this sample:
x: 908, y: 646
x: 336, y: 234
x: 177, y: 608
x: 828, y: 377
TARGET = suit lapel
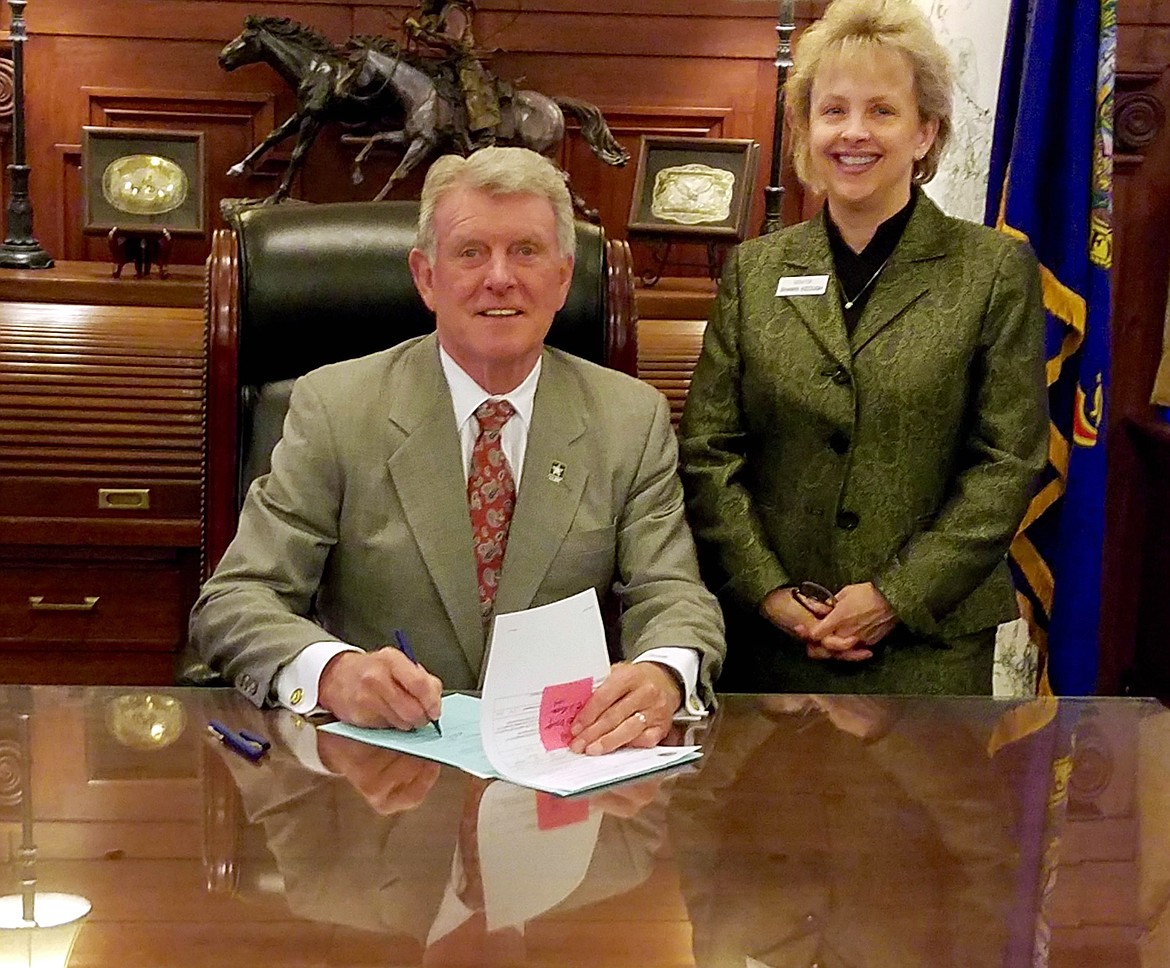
x: 903, y: 281
x: 428, y: 476
x: 807, y: 253
x: 547, y: 502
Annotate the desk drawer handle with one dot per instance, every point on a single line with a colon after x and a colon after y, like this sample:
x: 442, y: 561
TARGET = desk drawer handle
x: 37, y: 603
x: 124, y: 498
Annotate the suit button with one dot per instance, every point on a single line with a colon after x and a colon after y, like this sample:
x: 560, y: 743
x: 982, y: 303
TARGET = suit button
x: 847, y: 520
x: 839, y: 442
x: 841, y: 376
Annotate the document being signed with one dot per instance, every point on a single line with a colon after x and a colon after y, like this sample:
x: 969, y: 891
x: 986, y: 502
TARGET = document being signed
x: 543, y: 665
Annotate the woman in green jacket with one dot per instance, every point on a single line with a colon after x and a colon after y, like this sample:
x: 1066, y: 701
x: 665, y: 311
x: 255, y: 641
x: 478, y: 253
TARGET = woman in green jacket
x: 868, y: 412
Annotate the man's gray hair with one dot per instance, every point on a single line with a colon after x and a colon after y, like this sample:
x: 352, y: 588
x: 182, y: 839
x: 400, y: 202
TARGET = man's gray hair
x: 497, y: 171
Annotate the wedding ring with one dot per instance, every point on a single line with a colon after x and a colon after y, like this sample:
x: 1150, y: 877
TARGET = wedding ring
x: 640, y: 717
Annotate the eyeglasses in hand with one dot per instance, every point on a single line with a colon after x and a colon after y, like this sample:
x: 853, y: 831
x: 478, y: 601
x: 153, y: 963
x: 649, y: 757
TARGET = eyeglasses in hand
x: 808, y: 592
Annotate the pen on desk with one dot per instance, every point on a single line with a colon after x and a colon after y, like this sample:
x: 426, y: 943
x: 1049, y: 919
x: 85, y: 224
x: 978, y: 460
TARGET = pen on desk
x: 256, y: 738
x: 248, y: 745
x: 403, y: 644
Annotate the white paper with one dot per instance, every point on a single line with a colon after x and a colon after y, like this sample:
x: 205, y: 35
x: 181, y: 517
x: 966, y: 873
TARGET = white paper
x: 527, y: 870
x: 531, y: 650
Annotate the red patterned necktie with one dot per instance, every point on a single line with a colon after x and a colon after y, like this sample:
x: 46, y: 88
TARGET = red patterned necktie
x: 491, y: 496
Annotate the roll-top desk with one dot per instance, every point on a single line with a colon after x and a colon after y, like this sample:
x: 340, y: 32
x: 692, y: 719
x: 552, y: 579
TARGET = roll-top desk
x: 101, y: 469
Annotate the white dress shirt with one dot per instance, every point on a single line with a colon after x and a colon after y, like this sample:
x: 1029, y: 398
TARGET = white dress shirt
x: 295, y: 685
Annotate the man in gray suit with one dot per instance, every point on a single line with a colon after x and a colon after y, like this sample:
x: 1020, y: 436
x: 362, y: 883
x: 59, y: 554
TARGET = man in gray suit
x: 363, y: 525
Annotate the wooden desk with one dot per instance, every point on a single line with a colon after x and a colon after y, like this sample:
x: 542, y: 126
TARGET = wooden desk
x: 672, y: 317
x: 92, y: 282
x: 101, y: 487
x: 883, y: 833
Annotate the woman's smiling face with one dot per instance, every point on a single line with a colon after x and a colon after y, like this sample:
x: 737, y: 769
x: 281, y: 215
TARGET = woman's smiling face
x: 865, y: 132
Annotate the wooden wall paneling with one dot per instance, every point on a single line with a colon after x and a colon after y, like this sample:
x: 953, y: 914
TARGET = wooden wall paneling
x: 231, y: 123
x: 1150, y: 545
x: 619, y: 55
x: 1136, y: 488
x: 1141, y: 207
x: 69, y: 211
x: 610, y: 189
x: 178, y: 19
x: 700, y: 74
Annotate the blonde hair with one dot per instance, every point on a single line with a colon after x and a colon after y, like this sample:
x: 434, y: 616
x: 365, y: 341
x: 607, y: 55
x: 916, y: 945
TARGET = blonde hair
x: 853, y: 26
x: 497, y: 171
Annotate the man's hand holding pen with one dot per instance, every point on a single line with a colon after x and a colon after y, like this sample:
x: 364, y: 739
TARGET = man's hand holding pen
x: 380, y: 689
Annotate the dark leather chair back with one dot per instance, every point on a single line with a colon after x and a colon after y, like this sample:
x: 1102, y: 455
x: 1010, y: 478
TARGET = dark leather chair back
x: 293, y: 287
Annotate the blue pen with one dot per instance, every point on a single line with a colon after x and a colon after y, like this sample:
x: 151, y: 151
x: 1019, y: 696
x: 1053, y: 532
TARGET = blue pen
x: 403, y: 644
x: 256, y: 738
x: 248, y: 745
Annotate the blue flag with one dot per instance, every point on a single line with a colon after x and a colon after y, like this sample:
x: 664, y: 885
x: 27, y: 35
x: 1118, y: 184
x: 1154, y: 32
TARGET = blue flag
x: 1051, y: 183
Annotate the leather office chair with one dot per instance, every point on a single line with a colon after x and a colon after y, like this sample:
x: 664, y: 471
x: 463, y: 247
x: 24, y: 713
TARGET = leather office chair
x: 294, y: 287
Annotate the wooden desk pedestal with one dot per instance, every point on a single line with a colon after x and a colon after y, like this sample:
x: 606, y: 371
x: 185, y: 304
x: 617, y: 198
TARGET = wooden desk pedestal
x: 101, y: 463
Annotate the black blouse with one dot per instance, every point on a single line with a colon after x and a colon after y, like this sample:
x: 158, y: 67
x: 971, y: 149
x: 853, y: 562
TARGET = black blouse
x: 856, y: 270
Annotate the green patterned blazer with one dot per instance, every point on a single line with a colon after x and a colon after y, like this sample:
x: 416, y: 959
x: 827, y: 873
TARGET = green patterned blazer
x: 904, y: 454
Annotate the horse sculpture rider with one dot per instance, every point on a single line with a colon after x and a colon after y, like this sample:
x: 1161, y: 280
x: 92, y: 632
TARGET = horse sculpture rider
x: 444, y: 27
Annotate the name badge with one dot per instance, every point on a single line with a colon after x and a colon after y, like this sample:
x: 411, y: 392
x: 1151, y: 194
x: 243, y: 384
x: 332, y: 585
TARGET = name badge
x: 802, y: 286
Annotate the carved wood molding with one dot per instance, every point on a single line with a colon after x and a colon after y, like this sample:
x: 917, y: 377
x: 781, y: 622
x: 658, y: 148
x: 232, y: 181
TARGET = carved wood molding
x: 7, y: 96
x: 134, y: 107
x: 1138, y: 114
x: 690, y: 122
x: 66, y: 173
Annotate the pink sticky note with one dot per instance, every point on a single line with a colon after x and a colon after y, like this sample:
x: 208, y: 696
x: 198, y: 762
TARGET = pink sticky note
x: 553, y: 812
x: 559, y: 706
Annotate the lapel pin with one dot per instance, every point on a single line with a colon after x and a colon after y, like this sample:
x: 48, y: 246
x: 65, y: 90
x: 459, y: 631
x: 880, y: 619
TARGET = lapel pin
x: 556, y: 473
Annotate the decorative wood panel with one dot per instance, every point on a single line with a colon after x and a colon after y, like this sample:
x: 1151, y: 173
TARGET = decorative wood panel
x: 232, y: 123
x: 667, y: 352
x: 133, y: 406
x: 101, y: 485
x: 1133, y: 622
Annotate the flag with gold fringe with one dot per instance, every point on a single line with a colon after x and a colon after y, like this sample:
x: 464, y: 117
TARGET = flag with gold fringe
x: 1050, y: 182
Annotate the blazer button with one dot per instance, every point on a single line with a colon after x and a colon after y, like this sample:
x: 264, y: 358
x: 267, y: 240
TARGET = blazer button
x: 839, y: 442
x: 841, y: 376
x: 847, y: 520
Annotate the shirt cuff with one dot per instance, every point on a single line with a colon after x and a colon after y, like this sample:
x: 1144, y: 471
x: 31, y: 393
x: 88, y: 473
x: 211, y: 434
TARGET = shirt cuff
x: 300, y: 738
x: 684, y: 662
x: 296, y: 684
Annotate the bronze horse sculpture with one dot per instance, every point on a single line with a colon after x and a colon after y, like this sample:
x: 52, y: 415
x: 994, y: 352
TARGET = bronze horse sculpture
x: 373, y: 84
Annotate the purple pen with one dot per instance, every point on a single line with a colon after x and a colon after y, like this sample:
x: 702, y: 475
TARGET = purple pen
x: 403, y: 644
x: 236, y: 743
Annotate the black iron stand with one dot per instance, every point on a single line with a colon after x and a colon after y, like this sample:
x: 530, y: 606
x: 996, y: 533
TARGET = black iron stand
x: 20, y: 250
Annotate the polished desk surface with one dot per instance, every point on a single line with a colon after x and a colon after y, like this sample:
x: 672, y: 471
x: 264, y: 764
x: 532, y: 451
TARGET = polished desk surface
x: 885, y: 833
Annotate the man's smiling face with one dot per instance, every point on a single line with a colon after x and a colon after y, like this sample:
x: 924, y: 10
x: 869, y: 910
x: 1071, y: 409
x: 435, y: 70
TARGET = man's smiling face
x: 495, y: 282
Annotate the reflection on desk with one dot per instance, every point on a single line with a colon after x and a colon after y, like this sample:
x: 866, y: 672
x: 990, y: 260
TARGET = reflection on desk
x: 839, y: 831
